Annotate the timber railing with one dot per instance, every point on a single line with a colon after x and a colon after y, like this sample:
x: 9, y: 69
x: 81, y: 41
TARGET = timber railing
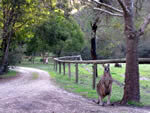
x: 62, y: 61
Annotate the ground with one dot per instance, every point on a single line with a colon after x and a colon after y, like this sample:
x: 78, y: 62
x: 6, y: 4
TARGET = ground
x: 33, y: 91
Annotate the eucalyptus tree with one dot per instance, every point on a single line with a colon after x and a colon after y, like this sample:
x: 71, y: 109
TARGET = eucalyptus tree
x: 11, y: 13
x: 15, y: 17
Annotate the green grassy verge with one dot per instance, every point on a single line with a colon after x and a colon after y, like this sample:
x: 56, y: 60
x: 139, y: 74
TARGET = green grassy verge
x: 35, y: 75
x: 9, y: 74
x: 84, y: 87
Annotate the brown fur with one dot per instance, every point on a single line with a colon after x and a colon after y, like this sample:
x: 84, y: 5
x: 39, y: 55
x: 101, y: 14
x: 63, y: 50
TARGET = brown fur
x: 105, y: 84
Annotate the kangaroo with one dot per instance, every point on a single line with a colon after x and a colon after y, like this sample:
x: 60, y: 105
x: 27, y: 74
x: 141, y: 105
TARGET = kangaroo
x: 104, y: 86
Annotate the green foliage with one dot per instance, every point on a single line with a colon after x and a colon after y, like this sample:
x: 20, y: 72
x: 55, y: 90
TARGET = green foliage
x: 144, y: 48
x: 32, y: 46
x: 110, y: 33
x: 35, y: 76
x: 41, y: 25
x: 9, y: 74
x: 15, y: 55
x: 135, y: 103
x: 86, y: 53
x: 59, y: 34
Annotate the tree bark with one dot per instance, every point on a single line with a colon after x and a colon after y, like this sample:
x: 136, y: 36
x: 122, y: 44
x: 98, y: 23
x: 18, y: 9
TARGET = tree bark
x: 131, y: 88
x: 9, y: 19
x: 93, y: 41
x: 5, y: 51
x: 93, y: 49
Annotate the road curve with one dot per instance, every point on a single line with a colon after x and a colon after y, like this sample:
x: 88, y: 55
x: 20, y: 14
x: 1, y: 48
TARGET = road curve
x: 34, y: 92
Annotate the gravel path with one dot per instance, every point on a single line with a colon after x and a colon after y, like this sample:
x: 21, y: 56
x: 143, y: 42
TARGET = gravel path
x: 34, y: 92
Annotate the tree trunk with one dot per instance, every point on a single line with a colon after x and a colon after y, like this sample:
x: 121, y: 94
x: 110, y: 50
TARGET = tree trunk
x: 93, y: 41
x: 93, y: 51
x: 33, y: 58
x: 131, y: 88
x: 9, y: 19
x: 5, y: 51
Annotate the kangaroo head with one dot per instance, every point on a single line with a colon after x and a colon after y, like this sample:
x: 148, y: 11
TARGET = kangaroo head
x: 106, y: 68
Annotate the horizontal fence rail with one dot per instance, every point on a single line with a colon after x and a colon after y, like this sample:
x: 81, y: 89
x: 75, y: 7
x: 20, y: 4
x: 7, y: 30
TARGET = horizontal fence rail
x: 62, y: 61
x: 78, y: 57
x: 141, y: 61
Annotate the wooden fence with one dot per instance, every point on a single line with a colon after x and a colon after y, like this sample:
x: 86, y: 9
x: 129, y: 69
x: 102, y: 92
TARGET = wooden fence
x: 59, y: 62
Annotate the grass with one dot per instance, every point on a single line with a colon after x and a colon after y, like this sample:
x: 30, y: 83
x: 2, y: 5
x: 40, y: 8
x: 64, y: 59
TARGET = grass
x: 35, y: 76
x: 84, y: 87
x: 135, y: 103
x: 9, y: 74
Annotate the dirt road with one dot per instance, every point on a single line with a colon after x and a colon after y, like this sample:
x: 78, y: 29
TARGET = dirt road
x: 34, y: 92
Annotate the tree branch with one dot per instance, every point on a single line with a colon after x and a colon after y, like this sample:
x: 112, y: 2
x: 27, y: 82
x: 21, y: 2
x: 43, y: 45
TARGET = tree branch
x: 18, y: 27
x: 144, y: 26
x: 108, y: 12
x: 123, y: 6
x: 108, y: 6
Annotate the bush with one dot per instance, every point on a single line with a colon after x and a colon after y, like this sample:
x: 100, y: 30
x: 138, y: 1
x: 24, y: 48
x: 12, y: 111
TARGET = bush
x: 86, y: 54
x: 15, y: 56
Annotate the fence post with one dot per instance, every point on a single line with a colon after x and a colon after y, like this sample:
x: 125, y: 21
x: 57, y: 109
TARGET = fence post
x: 56, y: 65
x: 64, y: 68
x: 94, y: 75
x: 59, y: 67
x: 69, y: 70
x: 76, y: 65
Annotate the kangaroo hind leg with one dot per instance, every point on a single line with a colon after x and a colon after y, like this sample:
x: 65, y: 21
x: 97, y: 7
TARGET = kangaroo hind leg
x: 100, y: 101
x: 108, y: 100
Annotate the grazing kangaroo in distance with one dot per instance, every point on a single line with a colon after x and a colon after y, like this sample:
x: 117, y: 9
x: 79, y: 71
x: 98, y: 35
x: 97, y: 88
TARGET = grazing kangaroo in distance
x: 104, y: 86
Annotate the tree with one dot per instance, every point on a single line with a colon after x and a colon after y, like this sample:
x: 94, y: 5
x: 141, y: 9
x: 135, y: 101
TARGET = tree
x: 17, y: 18
x: 58, y: 34
x: 93, y: 40
x: 12, y: 11
x: 131, y: 88
x: 55, y: 31
x: 15, y: 15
